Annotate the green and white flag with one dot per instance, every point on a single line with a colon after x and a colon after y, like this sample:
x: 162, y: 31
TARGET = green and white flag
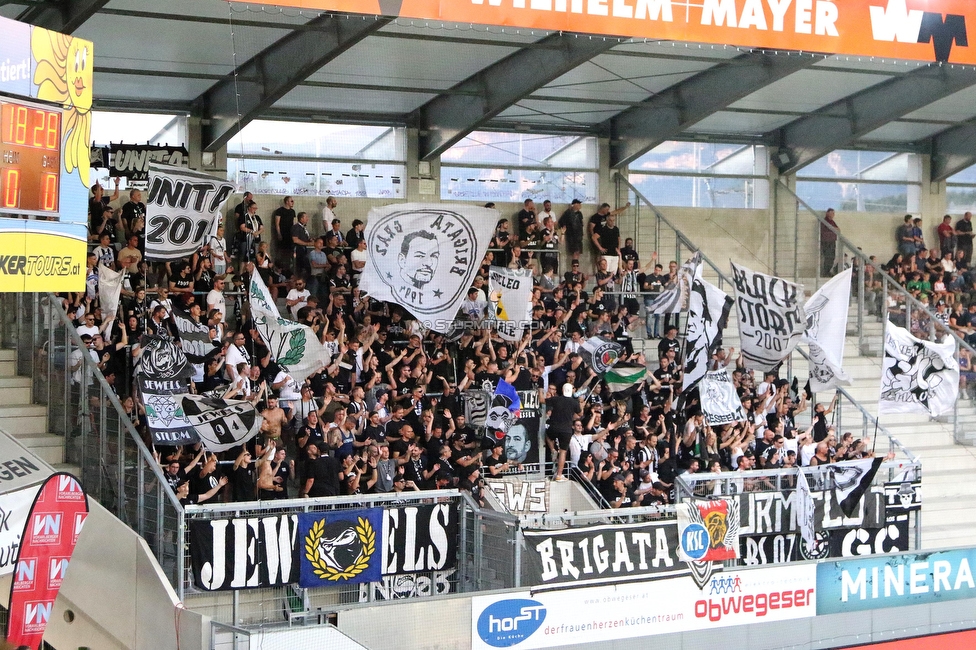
x: 624, y: 378
x: 293, y: 346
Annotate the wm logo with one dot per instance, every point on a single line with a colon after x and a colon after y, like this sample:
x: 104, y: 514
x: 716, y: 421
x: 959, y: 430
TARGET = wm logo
x: 897, y: 23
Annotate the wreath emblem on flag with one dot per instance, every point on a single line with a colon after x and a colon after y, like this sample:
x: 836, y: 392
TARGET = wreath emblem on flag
x: 342, y: 550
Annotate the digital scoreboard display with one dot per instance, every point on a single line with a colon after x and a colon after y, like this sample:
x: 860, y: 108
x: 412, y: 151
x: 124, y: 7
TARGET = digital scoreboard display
x: 30, y: 158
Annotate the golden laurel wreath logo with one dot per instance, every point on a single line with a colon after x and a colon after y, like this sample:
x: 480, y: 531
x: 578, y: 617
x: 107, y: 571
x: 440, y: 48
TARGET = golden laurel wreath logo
x: 366, y: 536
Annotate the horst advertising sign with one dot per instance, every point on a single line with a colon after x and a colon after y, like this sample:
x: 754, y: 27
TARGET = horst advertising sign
x: 597, y: 614
x: 924, y: 30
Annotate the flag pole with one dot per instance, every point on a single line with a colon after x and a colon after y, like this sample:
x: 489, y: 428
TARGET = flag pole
x: 884, y: 341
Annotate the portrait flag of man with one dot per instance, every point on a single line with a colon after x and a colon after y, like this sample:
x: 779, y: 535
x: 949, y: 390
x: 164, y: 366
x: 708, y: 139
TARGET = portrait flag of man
x: 917, y: 376
x: 424, y: 257
x: 505, y: 409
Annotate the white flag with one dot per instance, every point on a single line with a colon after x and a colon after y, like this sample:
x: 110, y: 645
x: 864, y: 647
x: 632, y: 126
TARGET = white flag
x: 295, y: 347
x: 510, y: 295
x: 600, y: 354
x: 424, y: 257
x: 674, y: 299
x: 826, y: 331
x: 708, y: 314
x: 805, y: 509
x: 221, y: 424
x: 917, y: 376
x: 109, y: 291
x: 719, y: 401
x: 771, y: 318
x: 182, y: 209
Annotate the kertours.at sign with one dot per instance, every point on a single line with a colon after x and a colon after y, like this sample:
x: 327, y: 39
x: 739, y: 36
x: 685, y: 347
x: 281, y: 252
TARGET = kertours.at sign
x: 323, y: 549
x: 925, y: 30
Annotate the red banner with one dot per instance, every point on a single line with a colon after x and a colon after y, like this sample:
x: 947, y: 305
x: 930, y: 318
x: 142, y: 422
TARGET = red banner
x: 49, y: 539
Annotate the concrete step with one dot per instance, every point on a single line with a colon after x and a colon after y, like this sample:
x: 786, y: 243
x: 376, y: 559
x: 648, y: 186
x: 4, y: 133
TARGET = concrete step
x: 8, y: 367
x: 48, y: 447
x: 14, y: 410
x: 16, y: 390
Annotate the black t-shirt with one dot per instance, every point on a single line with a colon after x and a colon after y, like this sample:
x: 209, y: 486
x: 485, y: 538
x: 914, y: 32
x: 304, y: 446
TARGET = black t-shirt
x: 524, y: 219
x: 562, y: 411
x: 572, y: 221
x: 325, y: 471
x: 202, y: 484
x: 966, y: 227
x: 287, y: 220
x: 609, y: 238
x: 132, y: 211
x: 245, y: 483
x: 666, y: 345
x: 597, y: 221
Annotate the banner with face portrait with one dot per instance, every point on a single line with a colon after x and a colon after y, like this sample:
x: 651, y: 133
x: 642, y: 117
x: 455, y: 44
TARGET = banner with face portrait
x: 771, y: 317
x: 708, y: 314
x: 510, y: 295
x: 917, y: 376
x: 424, y: 257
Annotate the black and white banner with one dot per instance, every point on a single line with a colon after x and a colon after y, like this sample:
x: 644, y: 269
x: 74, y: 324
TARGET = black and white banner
x: 131, y: 161
x: 476, y: 406
x: 409, y: 585
x: 600, y: 354
x: 708, y: 314
x: 851, y: 479
x: 182, y: 210
x: 510, y: 295
x: 195, y: 341
x: 826, y: 331
x: 719, y: 400
x: 771, y: 318
x: 674, y: 299
x: 772, y: 513
x: 163, y: 376
x: 253, y: 552
x: 602, y: 553
x: 244, y: 553
x: 424, y: 257
x: 221, y: 424
x: 917, y: 376
x: 903, y: 496
x: 109, y: 293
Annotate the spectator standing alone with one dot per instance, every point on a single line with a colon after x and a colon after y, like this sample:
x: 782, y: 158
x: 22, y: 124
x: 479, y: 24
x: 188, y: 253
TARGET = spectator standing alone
x: 947, y: 237
x: 284, y: 220
x: 571, y: 222
x: 828, y: 243
x: 964, y: 237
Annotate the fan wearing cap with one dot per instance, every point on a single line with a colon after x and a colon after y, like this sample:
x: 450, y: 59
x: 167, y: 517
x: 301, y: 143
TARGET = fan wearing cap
x: 561, y: 411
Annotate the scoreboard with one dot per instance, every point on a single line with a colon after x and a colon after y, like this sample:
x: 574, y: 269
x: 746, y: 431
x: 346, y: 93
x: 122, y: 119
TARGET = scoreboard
x: 30, y: 158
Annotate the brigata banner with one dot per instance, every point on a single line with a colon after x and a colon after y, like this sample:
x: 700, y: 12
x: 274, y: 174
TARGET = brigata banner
x: 920, y: 30
x: 600, y: 554
x: 50, y: 535
x: 182, y: 209
x: 895, y: 580
x: 549, y: 619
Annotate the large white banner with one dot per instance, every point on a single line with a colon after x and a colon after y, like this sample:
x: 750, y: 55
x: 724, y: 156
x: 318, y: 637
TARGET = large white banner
x: 720, y: 403
x: 424, y: 257
x: 14, y: 508
x: 708, y: 314
x: 523, y: 620
x: 917, y: 376
x: 510, y: 295
x: 109, y: 293
x: 182, y: 209
x: 295, y: 347
x: 826, y: 331
x: 771, y: 317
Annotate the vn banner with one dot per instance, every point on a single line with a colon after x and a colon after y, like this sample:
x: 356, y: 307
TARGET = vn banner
x: 182, y: 210
x: 424, y: 257
x: 53, y: 526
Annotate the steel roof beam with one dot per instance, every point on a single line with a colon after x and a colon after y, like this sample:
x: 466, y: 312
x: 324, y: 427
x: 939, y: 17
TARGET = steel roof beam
x: 953, y: 150
x: 64, y: 16
x: 842, y: 122
x: 449, y: 117
x: 258, y: 83
x: 663, y: 116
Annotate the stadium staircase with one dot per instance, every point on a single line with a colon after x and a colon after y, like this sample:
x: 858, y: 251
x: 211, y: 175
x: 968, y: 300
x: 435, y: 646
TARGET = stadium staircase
x: 25, y: 420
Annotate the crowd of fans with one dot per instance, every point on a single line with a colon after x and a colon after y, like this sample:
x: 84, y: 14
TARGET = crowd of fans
x: 384, y: 413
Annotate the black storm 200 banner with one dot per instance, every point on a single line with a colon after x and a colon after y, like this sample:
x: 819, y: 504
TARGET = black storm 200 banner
x: 604, y: 553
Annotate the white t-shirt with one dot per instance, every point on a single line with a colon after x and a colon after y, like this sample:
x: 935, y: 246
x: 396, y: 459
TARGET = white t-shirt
x: 219, y: 248
x: 90, y: 330
x: 357, y: 256
x: 302, y: 297
x: 291, y: 391
x: 327, y: 216
x: 806, y: 453
x: 216, y: 300
x: 577, y: 444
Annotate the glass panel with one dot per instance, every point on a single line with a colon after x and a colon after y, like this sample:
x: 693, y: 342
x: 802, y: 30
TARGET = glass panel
x: 524, y: 150
x: 866, y: 165
x: 705, y: 158
x: 137, y: 128
x: 322, y: 178
x: 967, y: 175
x: 510, y: 185
x: 703, y: 191
x: 961, y: 198
x: 860, y: 197
x: 270, y: 138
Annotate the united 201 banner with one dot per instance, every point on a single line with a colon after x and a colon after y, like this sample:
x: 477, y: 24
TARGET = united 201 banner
x: 323, y: 548
x: 131, y: 161
x: 182, y: 210
x: 603, y: 553
x: 510, y: 295
x: 771, y: 317
x: 559, y: 618
x: 424, y: 257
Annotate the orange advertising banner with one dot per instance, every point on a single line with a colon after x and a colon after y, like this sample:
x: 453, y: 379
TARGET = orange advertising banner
x: 920, y: 30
